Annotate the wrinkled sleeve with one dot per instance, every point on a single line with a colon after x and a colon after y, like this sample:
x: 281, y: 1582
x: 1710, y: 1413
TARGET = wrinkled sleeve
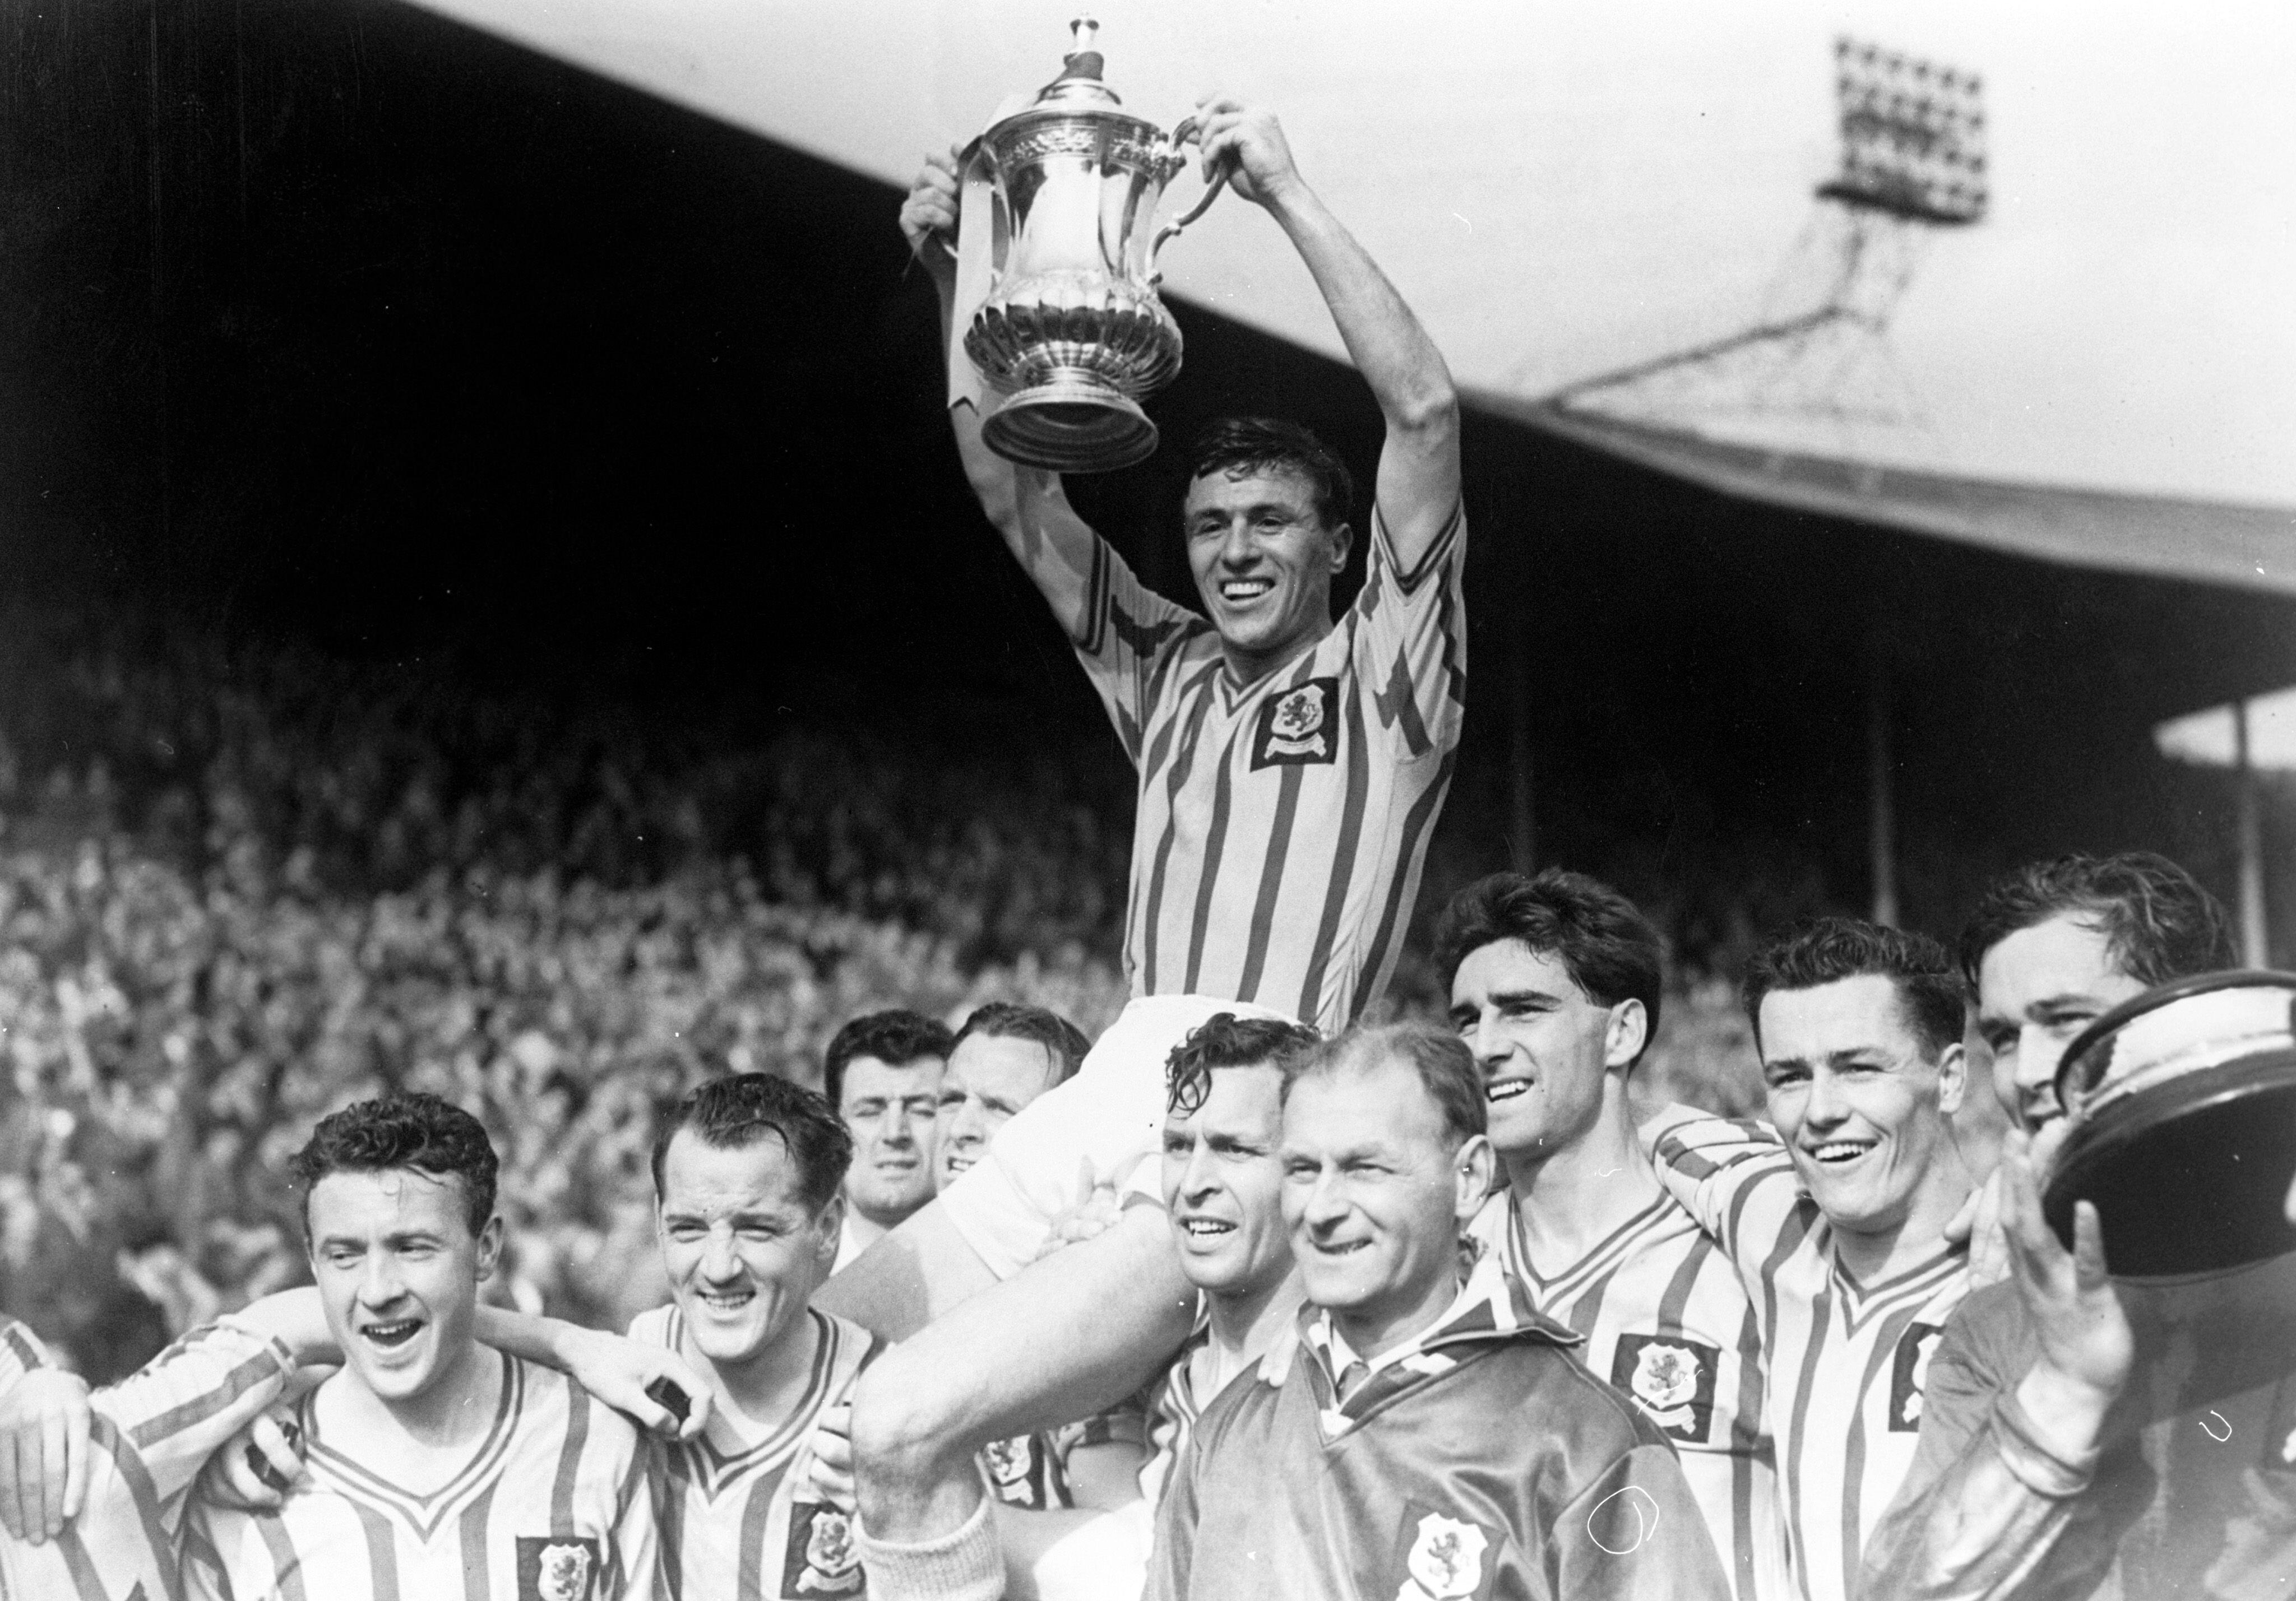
x: 1736, y: 1180
x: 1132, y: 639
x: 181, y: 1407
x: 1411, y: 639
x: 1986, y: 1502
x: 1635, y: 1534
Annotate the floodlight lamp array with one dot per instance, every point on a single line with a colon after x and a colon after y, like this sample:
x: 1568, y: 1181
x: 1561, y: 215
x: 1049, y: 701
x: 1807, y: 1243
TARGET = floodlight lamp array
x: 1913, y: 135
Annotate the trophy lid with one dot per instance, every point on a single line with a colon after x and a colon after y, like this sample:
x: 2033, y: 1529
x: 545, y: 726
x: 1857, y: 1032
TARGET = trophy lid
x: 1079, y: 83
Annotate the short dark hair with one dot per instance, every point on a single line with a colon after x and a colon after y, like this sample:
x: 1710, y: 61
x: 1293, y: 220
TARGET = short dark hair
x: 1244, y: 445
x: 1062, y: 1040
x: 1446, y: 1067
x: 405, y: 1129
x: 1224, y: 1039
x: 2158, y: 923
x: 1602, y: 939
x: 896, y: 1038
x: 729, y: 1114
x: 1827, y: 950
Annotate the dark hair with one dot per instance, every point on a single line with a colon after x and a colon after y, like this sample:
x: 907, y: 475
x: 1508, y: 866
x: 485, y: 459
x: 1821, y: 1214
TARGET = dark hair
x: 1224, y: 1039
x: 1244, y: 445
x: 1602, y: 939
x: 896, y: 1038
x: 729, y: 1114
x: 405, y: 1129
x: 1446, y: 1067
x: 1827, y: 950
x: 2158, y: 924
x: 1062, y: 1040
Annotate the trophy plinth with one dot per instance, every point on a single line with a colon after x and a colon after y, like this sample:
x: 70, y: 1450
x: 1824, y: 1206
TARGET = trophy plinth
x: 1071, y: 329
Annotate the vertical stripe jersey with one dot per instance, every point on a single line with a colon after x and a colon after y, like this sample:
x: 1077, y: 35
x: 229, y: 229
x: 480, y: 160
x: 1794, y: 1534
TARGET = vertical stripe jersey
x: 151, y: 1434
x: 550, y: 1505
x: 1846, y: 1361
x: 742, y: 1521
x: 1665, y: 1319
x: 1282, y: 826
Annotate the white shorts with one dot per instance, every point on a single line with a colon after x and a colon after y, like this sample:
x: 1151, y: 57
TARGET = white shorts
x: 1104, y: 1560
x: 1103, y: 1126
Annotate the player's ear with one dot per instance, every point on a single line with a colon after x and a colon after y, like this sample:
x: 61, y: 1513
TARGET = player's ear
x: 1628, y: 1033
x: 1475, y: 1170
x: 490, y: 1244
x: 1344, y: 540
x: 1952, y: 1078
x: 830, y: 1226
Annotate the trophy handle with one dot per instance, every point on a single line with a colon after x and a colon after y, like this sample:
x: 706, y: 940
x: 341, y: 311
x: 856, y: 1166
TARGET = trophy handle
x: 1188, y: 133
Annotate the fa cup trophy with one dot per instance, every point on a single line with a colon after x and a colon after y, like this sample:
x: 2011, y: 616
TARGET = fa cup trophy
x: 1057, y: 271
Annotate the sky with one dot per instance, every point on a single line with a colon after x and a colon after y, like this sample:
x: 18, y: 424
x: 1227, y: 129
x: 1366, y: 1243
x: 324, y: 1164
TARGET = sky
x: 1560, y: 190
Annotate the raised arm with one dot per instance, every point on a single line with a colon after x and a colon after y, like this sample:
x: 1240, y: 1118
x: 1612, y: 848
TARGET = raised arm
x: 1028, y: 508
x: 1419, y: 464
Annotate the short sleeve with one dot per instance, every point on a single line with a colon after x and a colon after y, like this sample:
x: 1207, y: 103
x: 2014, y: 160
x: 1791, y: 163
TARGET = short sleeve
x: 1133, y: 641
x: 188, y: 1401
x: 1738, y: 1182
x: 1411, y: 639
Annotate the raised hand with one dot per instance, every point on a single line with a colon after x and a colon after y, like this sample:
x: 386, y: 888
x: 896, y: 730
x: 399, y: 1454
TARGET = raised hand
x: 1978, y: 1222
x: 1261, y: 169
x: 929, y: 212
x: 2086, y: 1346
x: 44, y: 1446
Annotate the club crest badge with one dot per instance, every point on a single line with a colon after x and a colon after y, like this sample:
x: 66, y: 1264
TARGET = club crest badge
x: 558, y: 1567
x: 1299, y: 727
x: 820, y: 1559
x: 1445, y: 1559
x: 1671, y: 1378
x: 1909, y: 1373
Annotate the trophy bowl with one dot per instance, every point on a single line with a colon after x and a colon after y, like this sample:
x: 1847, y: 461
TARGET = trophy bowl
x: 2182, y: 1104
x: 1071, y: 326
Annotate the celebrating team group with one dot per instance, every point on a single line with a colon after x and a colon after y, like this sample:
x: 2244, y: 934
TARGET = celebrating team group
x: 1249, y: 1297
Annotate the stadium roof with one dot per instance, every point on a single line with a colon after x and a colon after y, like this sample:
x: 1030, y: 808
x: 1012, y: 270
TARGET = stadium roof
x: 2246, y: 547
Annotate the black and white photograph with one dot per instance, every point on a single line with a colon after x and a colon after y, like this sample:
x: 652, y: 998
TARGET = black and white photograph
x: 1147, y: 800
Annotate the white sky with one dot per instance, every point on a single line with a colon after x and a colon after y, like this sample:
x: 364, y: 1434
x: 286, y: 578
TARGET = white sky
x: 2207, y: 737
x: 1561, y: 190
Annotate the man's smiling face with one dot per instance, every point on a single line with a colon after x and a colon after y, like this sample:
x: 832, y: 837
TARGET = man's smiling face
x: 1223, y: 1183
x: 1543, y: 1046
x: 398, y: 1270
x: 1861, y: 1106
x: 1263, y: 560
x: 743, y: 1250
x: 989, y: 1079
x: 2036, y: 990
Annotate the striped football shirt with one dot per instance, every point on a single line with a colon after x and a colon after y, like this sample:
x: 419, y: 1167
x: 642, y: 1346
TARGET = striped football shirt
x: 150, y: 1435
x: 1846, y: 1361
x: 741, y: 1521
x: 1282, y: 826
x: 550, y: 1505
x: 1665, y: 1319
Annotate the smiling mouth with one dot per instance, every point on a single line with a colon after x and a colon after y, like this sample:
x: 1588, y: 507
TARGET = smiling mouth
x: 1836, y: 1153
x: 726, y: 1301
x: 390, y: 1337
x: 1505, y: 1089
x: 957, y: 1163
x: 1205, y: 1227
x: 1343, y: 1248
x: 1243, y: 591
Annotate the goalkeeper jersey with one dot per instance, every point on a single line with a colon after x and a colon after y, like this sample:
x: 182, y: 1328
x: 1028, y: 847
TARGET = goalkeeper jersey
x: 1281, y: 825
x: 151, y: 1434
x: 1846, y: 1361
x: 1665, y: 1319
x: 551, y: 1505
x: 744, y: 1522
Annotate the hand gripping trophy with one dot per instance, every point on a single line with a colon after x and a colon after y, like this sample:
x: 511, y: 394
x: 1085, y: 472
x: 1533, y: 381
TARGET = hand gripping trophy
x: 1057, y: 268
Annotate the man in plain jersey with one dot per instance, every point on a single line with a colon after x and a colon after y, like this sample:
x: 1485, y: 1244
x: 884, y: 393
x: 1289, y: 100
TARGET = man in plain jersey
x: 434, y: 1463
x: 1556, y: 983
x: 1842, y: 1240
x: 883, y: 1073
x: 1292, y: 766
x: 2083, y: 1434
x: 1428, y: 1433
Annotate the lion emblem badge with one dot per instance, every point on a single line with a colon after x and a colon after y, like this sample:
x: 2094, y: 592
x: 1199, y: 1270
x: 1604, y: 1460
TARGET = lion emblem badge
x: 1296, y: 727
x: 557, y: 1568
x: 1671, y: 1378
x: 820, y: 1559
x: 1446, y: 1560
